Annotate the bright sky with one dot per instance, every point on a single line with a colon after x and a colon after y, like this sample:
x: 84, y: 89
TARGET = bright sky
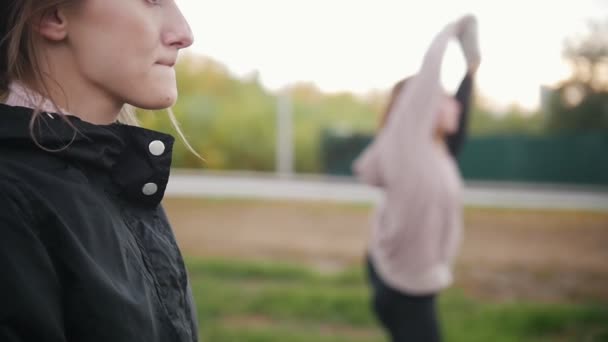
x: 360, y: 45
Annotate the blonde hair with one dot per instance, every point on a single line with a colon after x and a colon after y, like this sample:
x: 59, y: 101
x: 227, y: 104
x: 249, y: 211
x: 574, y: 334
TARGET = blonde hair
x: 19, y: 57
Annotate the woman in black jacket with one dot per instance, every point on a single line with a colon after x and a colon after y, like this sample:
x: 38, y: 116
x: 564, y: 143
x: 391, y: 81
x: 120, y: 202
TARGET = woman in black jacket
x: 86, y: 251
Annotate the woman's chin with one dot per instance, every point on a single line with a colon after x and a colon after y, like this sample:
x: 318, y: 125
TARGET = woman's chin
x: 162, y: 100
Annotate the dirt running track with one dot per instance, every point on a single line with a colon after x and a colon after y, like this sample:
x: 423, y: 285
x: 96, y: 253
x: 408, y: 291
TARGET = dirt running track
x: 507, y: 254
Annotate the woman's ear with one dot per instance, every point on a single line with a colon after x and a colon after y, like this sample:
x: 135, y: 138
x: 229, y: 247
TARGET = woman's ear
x: 53, y: 24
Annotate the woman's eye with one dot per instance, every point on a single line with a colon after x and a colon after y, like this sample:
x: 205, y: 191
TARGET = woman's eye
x: 155, y: 2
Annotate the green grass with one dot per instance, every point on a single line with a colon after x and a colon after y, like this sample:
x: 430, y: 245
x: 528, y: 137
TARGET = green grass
x: 255, y: 302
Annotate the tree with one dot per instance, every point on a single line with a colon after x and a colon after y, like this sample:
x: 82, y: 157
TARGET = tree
x: 580, y: 104
x: 588, y: 56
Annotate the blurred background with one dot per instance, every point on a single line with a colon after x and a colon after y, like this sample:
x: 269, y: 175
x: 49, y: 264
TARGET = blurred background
x: 280, y: 96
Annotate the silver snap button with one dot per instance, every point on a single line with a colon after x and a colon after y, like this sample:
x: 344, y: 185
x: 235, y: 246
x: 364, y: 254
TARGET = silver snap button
x: 149, y: 189
x: 157, y: 148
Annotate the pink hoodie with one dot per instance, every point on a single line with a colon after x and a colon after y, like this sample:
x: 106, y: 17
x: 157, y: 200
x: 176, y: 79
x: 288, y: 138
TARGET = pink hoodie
x: 20, y: 96
x: 417, y: 228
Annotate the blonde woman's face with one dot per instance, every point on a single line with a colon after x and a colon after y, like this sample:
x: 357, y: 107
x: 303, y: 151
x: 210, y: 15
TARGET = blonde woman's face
x: 127, y: 48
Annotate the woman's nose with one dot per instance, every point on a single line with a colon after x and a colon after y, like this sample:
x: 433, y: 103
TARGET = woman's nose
x: 179, y: 34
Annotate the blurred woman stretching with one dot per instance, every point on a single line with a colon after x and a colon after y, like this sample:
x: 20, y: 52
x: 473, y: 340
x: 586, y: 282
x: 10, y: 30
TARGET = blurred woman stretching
x: 417, y: 227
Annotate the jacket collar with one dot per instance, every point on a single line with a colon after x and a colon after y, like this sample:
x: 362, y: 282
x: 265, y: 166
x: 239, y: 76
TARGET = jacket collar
x: 137, y: 160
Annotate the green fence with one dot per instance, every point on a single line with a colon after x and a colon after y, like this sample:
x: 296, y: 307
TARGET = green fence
x: 569, y: 159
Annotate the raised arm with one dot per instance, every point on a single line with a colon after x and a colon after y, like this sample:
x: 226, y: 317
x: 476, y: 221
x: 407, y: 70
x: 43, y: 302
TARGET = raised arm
x: 420, y: 98
x: 469, y: 42
x: 411, y: 119
x: 463, y: 96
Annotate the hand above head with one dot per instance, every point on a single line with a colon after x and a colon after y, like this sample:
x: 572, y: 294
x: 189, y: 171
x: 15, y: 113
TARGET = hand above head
x: 469, y: 41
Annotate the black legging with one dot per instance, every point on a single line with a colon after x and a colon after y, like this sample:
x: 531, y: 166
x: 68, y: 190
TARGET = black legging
x: 406, y: 318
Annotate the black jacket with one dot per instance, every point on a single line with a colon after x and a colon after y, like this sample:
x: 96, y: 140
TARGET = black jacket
x: 86, y: 251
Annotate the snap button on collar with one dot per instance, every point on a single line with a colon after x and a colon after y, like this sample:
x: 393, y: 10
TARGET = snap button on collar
x: 156, y: 147
x: 149, y: 189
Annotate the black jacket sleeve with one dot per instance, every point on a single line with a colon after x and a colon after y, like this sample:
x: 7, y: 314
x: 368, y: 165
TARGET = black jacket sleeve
x: 30, y: 300
x: 463, y: 96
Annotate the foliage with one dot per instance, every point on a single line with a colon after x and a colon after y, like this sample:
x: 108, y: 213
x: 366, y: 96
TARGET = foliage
x: 231, y: 121
x: 580, y: 104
